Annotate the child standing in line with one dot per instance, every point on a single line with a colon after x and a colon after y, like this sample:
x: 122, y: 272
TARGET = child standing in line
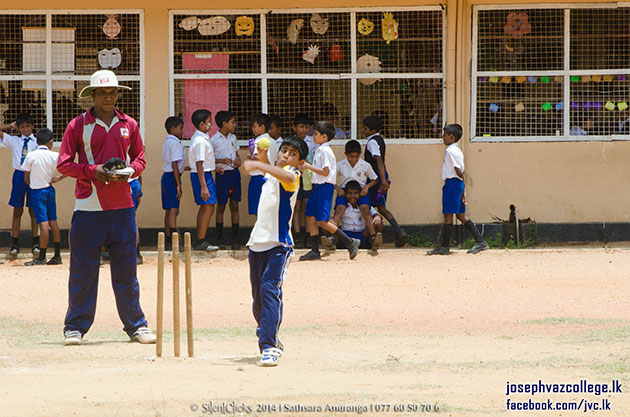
x: 318, y: 208
x: 271, y: 244
x: 20, y: 147
x: 260, y: 125
x: 228, y: 182
x: 173, y: 157
x: 201, y: 161
x: 375, y: 155
x: 454, y: 193
x: 39, y: 169
x: 301, y: 125
x: 275, y: 131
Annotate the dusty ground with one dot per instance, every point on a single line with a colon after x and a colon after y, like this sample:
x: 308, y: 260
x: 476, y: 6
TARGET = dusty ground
x: 398, y: 329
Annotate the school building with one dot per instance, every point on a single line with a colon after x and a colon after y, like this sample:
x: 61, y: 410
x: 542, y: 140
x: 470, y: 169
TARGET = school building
x: 540, y: 87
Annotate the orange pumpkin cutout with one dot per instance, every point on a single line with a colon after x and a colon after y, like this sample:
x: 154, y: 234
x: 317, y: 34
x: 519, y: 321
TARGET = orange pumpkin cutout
x: 244, y: 25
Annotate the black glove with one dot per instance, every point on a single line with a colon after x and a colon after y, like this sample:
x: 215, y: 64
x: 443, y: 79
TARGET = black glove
x: 114, y: 164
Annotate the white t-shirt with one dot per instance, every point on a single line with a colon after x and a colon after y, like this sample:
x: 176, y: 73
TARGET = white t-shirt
x: 272, y: 152
x: 173, y: 151
x: 454, y: 158
x: 224, y: 148
x: 42, y: 165
x: 352, y: 220
x: 360, y: 172
x: 324, y: 157
x: 16, y: 144
x: 372, y: 146
x: 200, y: 150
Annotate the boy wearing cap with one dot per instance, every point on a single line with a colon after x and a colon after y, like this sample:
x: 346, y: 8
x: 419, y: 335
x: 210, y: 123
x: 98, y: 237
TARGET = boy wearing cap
x: 104, y: 212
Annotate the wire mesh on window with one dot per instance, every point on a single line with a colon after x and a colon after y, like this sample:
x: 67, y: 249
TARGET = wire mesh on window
x: 600, y: 39
x: 519, y: 106
x: 327, y: 100
x: 18, y: 56
x: 599, y: 105
x: 15, y: 100
x: 216, y: 44
x: 243, y: 97
x: 518, y: 40
x: 85, y: 43
x: 410, y: 108
x: 305, y: 43
x: 408, y: 41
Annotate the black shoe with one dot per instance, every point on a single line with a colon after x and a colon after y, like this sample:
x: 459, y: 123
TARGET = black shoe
x: 13, y: 253
x: 221, y: 244
x: 55, y: 260
x: 236, y: 246
x: 440, y: 250
x: 354, y: 248
x: 401, y: 239
x: 311, y: 255
x: 36, y: 262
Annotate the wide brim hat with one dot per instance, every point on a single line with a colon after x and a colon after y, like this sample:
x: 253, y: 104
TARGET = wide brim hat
x: 102, y: 79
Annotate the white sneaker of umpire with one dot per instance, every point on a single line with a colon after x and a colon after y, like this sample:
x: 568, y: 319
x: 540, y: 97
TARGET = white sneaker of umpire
x: 270, y: 357
x: 143, y: 335
x: 72, y: 337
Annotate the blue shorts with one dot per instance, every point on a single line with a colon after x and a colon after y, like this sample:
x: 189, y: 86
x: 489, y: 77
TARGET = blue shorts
x: 136, y: 192
x: 169, y: 191
x: 341, y: 201
x: 377, y: 199
x: 228, y: 186
x: 452, y: 194
x: 44, y: 207
x: 196, y: 186
x: 19, y: 190
x: 354, y: 235
x: 253, y: 193
x: 303, y: 194
x: 320, y: 202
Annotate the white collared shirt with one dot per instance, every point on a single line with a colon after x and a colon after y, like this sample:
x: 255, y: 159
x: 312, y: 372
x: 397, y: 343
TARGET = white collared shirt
x: 352, y: 219
x: 42, y: 165
x: 372, y: 146
x: 173, y: 151
x: 362, y: 172
x: 16, y: 143
x: 200, y: 150
x: 272, y: 152
x: 224, y: 148
x: 454, y: 158
x: 324, y: 157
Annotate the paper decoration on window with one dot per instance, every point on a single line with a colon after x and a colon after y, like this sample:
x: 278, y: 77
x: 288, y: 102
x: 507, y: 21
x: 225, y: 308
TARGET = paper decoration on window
x: 486, y: 135
x: 559, y: 79
x: 274, y: 45
x: 622, y: 78
x: 493, y: 107
x: 531, y: 79
x: 517, y: 25
x: 189, y: 23
x: 319, y: 24
x: 244, y: 25
x: 559, y: 106
x: 545, y: 79
x: 575, y: 79
x: 610, y: 105
x: 214, y: 26
x: 34, y: 56
x: 109, y: 58
x: 586, y: 105
x: 519, y: 107
x: 585, y: 78
x: 622, y: 106
x: 293, y: 31
x: 389, y: 27
x: 368, y: 63
x: 596, y: 78
x: 493, y: 79
x: 310, y: 54
x: 521, y: 79
x: 336, y: 53
x: 483, y: 79
x: 111, y: 27
x: 608, y: 77
x: 574, y: 106
x: 597, y: 105
x: 546, y: 106
x: 365, y: 27
x: 506, y: 79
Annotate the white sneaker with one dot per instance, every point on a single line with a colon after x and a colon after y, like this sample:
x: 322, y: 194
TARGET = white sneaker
x: 72, y: 338
x: 143, y: 335
x: 270, y: 357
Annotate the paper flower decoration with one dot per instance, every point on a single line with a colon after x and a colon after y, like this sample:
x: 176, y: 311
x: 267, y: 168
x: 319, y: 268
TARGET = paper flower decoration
x: 111, y: 27
x: 368, y: 63
x: 546, y: 106
x: 189, y: 23
x: 244, y: 25
x: 365, y: 27
x: 493, y: 79
x: 389, y: 27
x: 310, y: 54
x: 517, y: 25
x: 622, y: 106
x: 521, y: 79
x: 319, y: 24
x: 610, y: 105
x: 293, y: 31
x: 109, y: 58
x: 214, y: 26
x: 519, y: 107
x: 493, y: 107
x: 336, y: 53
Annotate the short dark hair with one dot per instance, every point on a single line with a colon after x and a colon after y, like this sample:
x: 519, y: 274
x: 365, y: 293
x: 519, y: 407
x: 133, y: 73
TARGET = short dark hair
x: 325, y: 128
x: 25, y: 118
x: 223, y: 116
x: 455, y: 130
x: 374, y: 123
x: 352, y: 185
x: 44, y: 135
x: 353, y: 146
x: 200, y: 116
x: 263, y: 120
x: 328, y: 110
x: 298, y: 144
x: 302, y: 119
x: 275, y: 120
x: 172, y: 122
